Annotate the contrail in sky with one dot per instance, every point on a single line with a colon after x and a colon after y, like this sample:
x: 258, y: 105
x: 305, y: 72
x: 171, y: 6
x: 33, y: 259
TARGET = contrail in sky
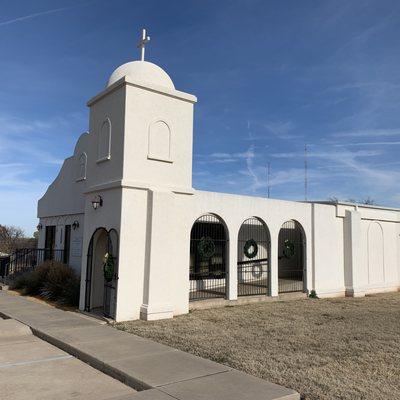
x: 38, y: 14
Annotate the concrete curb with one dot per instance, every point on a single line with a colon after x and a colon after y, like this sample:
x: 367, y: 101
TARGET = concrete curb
x: 10, y: 328
x: 93, y: 362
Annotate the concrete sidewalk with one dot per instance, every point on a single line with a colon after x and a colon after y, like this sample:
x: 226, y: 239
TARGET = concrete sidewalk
x: 159, y: 372
x: 31, y: 369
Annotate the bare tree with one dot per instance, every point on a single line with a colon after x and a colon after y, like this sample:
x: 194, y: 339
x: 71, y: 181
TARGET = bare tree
x: 10, y: 238
x: 333, y: 199
x: 368, y: 201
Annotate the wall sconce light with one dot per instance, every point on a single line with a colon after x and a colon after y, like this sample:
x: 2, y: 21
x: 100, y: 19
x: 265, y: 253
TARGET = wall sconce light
x: 39, y: 226
x: 75, y: 225
x: 97, y: 202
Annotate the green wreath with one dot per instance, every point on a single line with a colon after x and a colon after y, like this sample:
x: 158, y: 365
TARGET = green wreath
x: 289, y: 249
x: 206, y: 247
x: 250, y: 248
x: 108, y: 267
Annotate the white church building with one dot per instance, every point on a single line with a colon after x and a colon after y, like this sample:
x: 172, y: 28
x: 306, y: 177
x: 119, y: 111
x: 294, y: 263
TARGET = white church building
x: 148, y: 245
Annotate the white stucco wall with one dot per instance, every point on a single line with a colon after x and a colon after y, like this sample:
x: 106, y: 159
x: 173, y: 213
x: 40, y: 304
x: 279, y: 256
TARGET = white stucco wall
x: 111, y: 109
x: 371, y: 249
x: 324, y: 227
x: 135, y: 241
x: 172, y: 218
x: 150, y: 158
x: 328, y: 251
x: 65, y: 195
x: 107, y: 217
x: 379, y: 241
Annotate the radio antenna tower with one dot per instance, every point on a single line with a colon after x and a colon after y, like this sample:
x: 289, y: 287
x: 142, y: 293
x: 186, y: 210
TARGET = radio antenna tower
x: 268, y: 178
x: 305, y: 172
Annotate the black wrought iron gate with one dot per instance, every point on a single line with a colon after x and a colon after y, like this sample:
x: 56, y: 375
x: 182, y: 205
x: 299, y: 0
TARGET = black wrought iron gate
x: 253, y: 258
x: 291, y: 255
x: 208, y: 247
x: 110, y: 276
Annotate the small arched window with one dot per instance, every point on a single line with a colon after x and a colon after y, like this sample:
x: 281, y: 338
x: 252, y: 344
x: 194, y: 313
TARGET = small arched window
x: 81, y: 171
x: 104, y: 145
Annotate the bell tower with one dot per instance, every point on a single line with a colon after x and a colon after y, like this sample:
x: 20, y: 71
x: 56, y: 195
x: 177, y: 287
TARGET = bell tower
x: 146, y: 123
x: 158, y: 129
x: 139, y: 162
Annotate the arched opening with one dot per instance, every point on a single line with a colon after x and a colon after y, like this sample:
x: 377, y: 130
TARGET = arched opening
x: 102, y: 273
x: 291, y: 257
x: 208, y: 258
x: 253, y: 258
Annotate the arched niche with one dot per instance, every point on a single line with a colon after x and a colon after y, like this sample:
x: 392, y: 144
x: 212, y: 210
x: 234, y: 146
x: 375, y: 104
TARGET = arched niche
x: 159, y: 147
x: 81, y: 169
x: 376, y: 264
x: 104, y: 143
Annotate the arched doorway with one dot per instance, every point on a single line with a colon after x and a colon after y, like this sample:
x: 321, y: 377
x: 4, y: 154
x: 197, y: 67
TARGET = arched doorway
x: 208, y: 258
x: 253, y: 258
x: 102, y: 273
x: 291, y: 257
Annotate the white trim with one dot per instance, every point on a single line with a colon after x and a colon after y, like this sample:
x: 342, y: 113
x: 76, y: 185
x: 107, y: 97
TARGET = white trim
x: 128, y: 81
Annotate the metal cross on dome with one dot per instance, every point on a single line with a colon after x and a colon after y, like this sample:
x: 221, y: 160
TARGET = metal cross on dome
x: 142, y: 43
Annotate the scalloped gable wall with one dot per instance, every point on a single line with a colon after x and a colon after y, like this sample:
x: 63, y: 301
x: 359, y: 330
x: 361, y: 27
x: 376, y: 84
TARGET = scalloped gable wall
x: 65, y: 195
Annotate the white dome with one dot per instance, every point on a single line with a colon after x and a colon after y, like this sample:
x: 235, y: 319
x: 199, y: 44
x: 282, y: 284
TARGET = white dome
x: 143, y: 72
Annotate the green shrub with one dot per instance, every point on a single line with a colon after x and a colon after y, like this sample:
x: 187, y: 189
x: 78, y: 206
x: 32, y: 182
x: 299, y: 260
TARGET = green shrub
x: 51, y: 280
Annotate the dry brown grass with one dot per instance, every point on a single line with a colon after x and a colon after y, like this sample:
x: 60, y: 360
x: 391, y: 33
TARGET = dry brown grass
x: 325, y: 349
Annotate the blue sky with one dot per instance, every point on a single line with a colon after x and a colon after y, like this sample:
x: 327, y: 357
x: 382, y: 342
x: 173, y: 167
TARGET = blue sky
x: 270, y: 76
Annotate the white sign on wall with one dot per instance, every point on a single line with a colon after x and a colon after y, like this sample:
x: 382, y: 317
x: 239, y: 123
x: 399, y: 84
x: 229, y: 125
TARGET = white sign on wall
x: 76, y: 247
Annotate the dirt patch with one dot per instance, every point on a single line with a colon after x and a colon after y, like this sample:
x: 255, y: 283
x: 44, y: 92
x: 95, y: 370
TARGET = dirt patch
x: 343, y: 348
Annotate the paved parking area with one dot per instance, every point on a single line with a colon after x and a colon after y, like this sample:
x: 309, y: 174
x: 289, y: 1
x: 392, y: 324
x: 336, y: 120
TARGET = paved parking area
x: 32, y: 369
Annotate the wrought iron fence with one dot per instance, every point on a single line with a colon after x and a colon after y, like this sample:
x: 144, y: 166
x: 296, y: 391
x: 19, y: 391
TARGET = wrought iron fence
x: 205, y: 286
x: 4, y: 260
x: 25, y: 260
x: 207, y: 276
x: 290, y: 281
x: 253, y: 278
